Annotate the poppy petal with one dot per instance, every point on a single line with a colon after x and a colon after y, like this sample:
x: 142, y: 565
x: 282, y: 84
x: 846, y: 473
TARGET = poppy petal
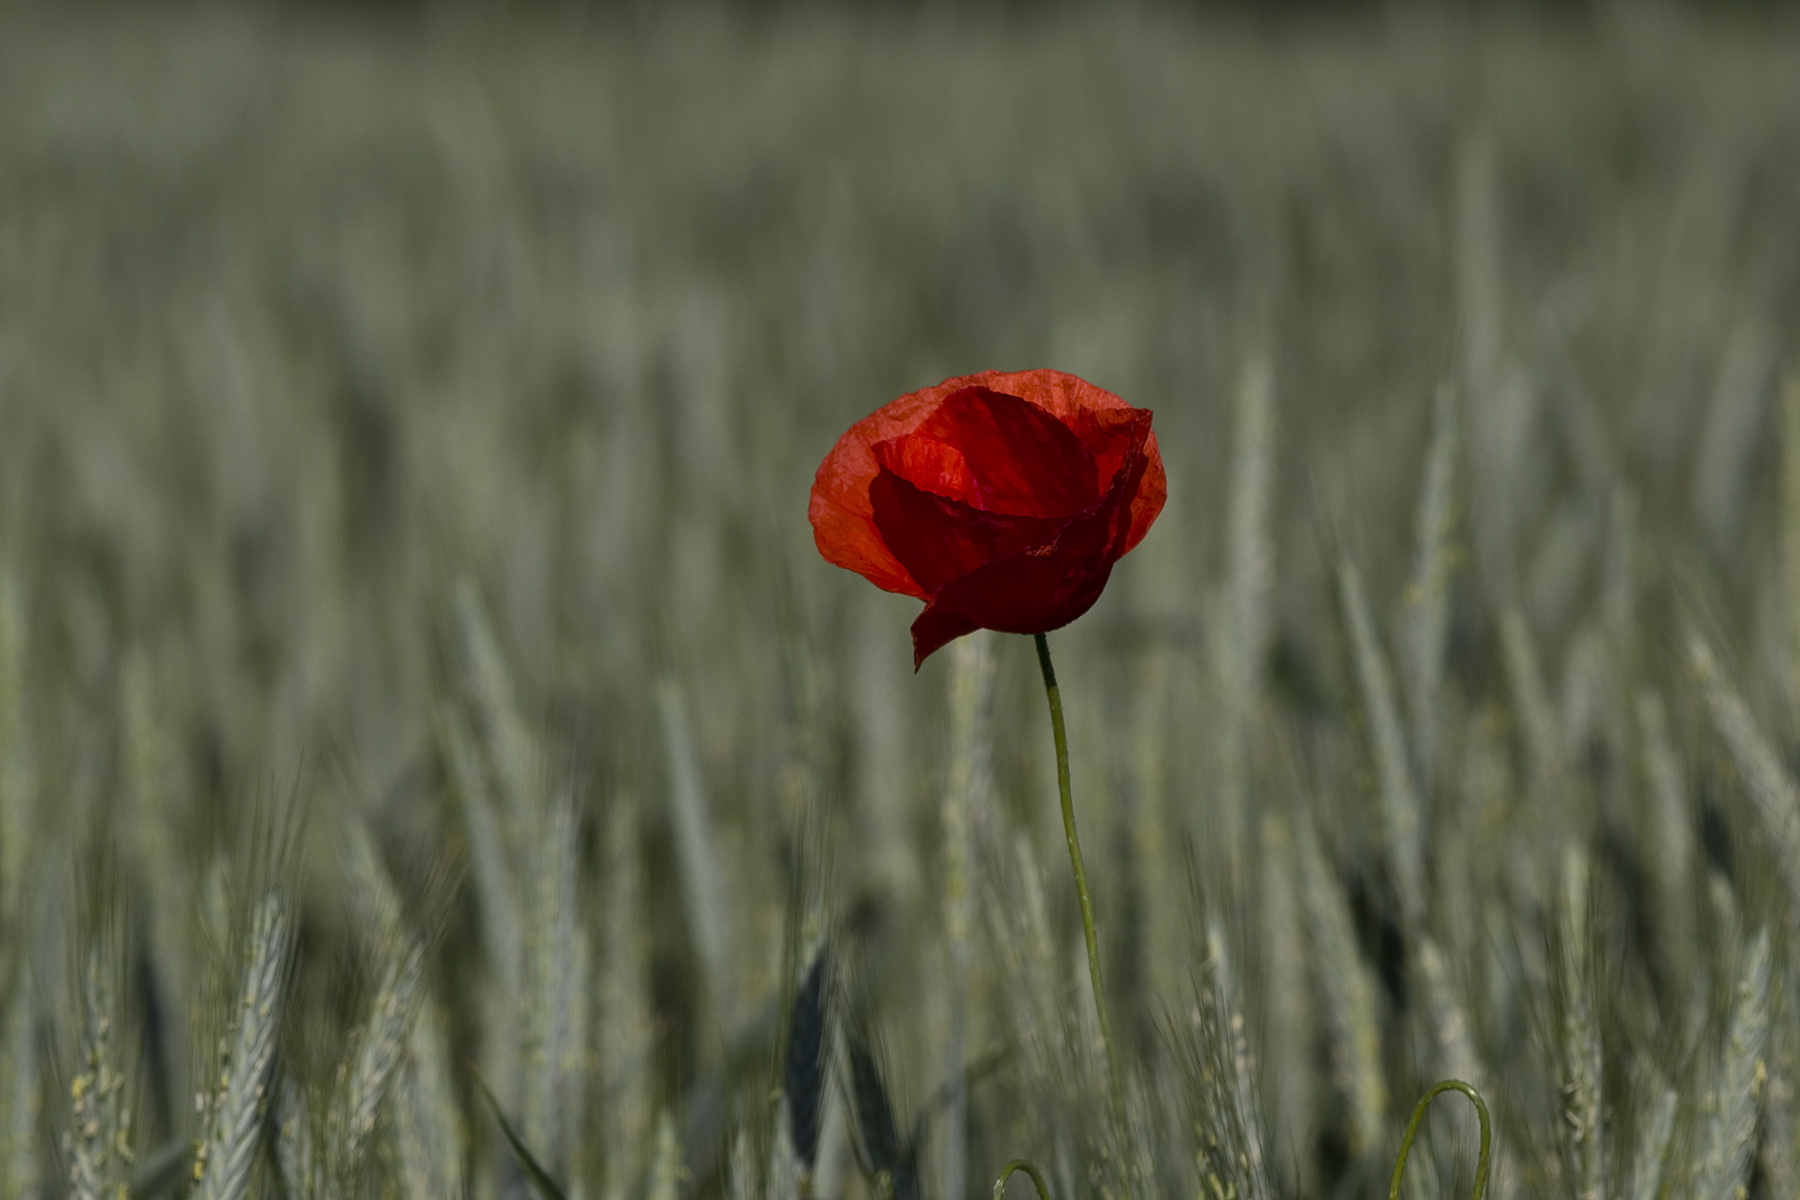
x: 936, y: 628
x: 848, y: 539
x: 842, y: 517
x: 928, y: 464
x: 1063, y: 396
x: 1041, y: 587
x: 938, y: 539
x: 1035, y: 465
x: 1148, y: 497
x: 1024, y: 460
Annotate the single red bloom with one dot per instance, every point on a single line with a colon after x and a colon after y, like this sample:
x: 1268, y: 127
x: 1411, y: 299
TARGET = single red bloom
x: 1002, y: 500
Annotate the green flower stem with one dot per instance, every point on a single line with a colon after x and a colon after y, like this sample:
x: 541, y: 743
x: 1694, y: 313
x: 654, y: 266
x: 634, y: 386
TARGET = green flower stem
x: 1481, y: 1167
x: 1081, y: 887
x: 1021, y: 1164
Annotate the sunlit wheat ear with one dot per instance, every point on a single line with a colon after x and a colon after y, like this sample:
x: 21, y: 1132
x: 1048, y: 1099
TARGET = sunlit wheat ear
x: 150, y: 756
x: 98, y: 1141
x: 691, y: 816
x: 971, y: 698
x: 1349, y: 1001
x: 1668, y: 840
x: 1733, y: 427
x: 1456, y: 1055
x: 1773, y: 795
x: 1774, y: 1156
x: 1734, y: 1092
x: 1213, y: 1054
x: 743, y: 1180
x: 510, y: 744
x: 1426, y: 608
x: 379, y: 1049
x: 296, y: 1146
x: 234, y: 1112
x: 500, y: 918
x: 1398, y: 799
x: 1021, y: 932
x: 1156, y: 848
x: 1534, y: 710
x: 555, y: 965
x: 1655, y: 1125
x: 1287, y: 1019
x: 428, y: 1125
x: 372, y: 895
x: 665, y: 1162
x: 1578, y: 1035
x: 1243, y: 636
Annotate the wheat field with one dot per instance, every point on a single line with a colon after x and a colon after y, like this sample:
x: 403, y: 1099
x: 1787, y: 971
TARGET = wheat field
x: 434, y: 761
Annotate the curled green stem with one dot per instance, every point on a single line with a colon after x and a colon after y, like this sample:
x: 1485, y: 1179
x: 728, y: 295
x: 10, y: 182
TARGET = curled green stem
x: 1412, y: 1127
x: 1114, y: 1071
x: 1021, y: 1164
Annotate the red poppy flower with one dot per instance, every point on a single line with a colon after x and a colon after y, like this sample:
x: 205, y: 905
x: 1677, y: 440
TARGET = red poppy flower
x: 1002, y: 500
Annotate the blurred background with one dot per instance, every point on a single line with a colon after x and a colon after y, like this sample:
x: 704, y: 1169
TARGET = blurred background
x: 407, y: 413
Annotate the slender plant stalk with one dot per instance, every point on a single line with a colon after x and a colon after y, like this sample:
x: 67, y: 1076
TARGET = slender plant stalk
x: 1021, y: 1164
x: 1081, y: 887
x: 1412, y: 1128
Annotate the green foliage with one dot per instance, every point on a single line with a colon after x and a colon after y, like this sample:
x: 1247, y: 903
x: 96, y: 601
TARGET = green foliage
x: 416, y: 676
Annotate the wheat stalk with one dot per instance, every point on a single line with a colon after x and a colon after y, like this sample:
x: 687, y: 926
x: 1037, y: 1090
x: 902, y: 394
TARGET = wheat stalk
x: 1398, y: 800
x: 511, y: 748
x: 227, y: 1151
x: 98, y: 1141
x: 1427, y: 600
x: 1773, y: 796
x: 297, y: 1155
x: 1733, y: 1097
x: 555, y: 981
x: 1578, y: 1035
x: 1242, y: 641
x: 380, y: 1048
x: 1668, y: 838
x: 1288, y: 1011
x: 487, y: 853
x: 1656, y: 1124
x: 1348, y: 998
x: 971, y: 692
x: 428, y: 1125
x: 665, y: 1161
x: 694, y: 846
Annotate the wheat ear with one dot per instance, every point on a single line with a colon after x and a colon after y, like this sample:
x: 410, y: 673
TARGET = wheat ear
x: 223, y: 1161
